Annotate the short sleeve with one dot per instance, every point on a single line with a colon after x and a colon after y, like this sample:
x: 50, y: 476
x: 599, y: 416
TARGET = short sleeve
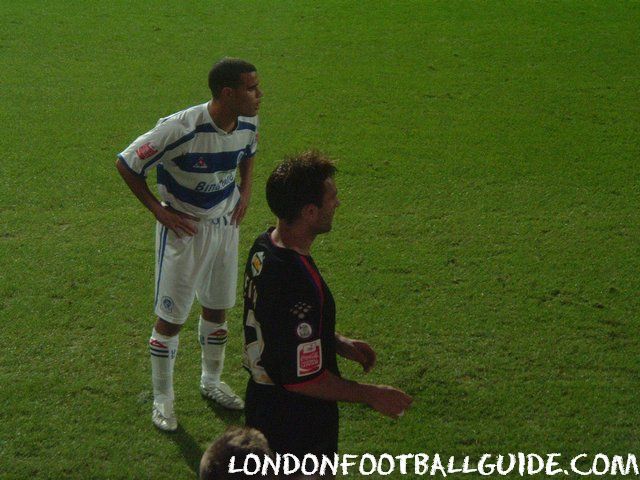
x: 148, y: 149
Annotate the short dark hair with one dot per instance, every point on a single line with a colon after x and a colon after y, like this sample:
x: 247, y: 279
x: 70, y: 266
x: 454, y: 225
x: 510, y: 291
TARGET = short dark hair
x: 226, y: 73
x: 235, y: 441
x: 298, y: 181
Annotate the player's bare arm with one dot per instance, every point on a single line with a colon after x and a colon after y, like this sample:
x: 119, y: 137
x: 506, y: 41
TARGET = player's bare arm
x: 387, y: 400
x: 179, y: 222
x: 356, y: 350
x: 246, y: 180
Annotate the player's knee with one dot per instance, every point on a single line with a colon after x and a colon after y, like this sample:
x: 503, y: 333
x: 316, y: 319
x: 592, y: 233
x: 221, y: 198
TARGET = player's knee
x: 167, y: 329
x: 215, y: 316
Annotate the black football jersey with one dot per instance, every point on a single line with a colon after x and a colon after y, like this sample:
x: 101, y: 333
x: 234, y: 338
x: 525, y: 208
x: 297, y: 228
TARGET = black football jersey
x: 289, y: 317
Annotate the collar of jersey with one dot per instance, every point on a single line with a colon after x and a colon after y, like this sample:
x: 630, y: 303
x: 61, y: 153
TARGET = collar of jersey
x: 216, y: 127
x: 282, y: 250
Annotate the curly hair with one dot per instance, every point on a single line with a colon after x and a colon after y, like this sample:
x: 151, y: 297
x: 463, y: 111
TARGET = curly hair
x: 235, y: 441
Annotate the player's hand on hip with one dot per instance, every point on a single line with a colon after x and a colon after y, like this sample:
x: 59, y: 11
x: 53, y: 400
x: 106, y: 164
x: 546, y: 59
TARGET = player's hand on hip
x: 240, y: 210
x: 389, y: 401
x: 180, y: 223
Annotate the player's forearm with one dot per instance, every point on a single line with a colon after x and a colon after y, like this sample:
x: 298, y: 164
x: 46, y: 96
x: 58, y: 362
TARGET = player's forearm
x: 246, y: 174
x: 341, y: 344
x: 334, y: 388
x: 139, y: 187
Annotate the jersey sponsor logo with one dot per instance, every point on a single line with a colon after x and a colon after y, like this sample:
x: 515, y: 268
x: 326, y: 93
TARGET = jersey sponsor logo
x: 145, y: 151
x: 304, y: 330
x: 215, y: 187
x: 166, y: 304
x: 300, y: 310
x: 256, y: 263
x: 309, y: 358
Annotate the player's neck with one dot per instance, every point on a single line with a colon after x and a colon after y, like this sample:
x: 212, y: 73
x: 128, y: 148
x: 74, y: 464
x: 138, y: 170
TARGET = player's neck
x: 222, y: 116
x: 293, y: 237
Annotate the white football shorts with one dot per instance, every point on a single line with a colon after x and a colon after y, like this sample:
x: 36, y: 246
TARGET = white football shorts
x: 205, y: 264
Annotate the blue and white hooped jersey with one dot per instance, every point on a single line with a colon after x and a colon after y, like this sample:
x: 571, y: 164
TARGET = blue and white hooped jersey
x: 195, y: 160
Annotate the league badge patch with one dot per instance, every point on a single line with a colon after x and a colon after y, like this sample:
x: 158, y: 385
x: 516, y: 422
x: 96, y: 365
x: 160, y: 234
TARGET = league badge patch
x: 304, y: 330
x: 256, y: 263
x: 145, y: 151
x: 309, y: 358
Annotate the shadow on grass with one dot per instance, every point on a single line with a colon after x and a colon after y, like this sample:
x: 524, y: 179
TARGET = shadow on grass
x: 229, y: 417
x: 189, y: 448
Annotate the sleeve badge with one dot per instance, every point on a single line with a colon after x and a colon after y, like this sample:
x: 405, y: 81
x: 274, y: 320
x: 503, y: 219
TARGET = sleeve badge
x: 304, y: 330
x: 145, y: 151
x: 309, y: 358
x: 256, y: 263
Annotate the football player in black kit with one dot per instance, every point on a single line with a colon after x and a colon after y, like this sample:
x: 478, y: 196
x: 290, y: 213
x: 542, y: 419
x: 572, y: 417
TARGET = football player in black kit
x: 289, y: 321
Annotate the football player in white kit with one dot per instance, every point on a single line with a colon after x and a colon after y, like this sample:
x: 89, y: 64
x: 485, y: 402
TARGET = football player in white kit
x: 196, y: 153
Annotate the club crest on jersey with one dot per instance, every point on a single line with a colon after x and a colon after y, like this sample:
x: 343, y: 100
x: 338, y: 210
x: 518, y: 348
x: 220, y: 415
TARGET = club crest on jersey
x: 256, y: 263
x: 166, y: 304
x: 300, y: 310
x: 309, y: 358
x: 145, y: 151
x: 304, y: 330
x: 201, y: 163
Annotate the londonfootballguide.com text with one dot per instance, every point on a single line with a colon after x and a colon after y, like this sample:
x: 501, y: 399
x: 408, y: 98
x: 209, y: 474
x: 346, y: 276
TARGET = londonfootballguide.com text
x: 422, y: 464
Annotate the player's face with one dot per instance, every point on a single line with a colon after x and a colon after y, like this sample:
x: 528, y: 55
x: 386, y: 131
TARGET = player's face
x: 329, y: 204
x: 247, y: 96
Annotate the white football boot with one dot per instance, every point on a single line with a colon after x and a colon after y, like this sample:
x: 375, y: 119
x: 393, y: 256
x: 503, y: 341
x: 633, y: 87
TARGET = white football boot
x: 222, y: 394
x: 164, y: 418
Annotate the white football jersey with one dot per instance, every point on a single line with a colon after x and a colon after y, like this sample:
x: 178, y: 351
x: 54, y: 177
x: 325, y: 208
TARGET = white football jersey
x: 195, y: 160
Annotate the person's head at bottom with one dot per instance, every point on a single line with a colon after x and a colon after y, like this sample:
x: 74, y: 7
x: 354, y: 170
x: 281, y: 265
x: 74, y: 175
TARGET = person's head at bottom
x: 235, y: 442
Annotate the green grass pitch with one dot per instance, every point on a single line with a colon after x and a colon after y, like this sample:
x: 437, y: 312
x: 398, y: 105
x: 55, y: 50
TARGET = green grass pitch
x: 486, y: 246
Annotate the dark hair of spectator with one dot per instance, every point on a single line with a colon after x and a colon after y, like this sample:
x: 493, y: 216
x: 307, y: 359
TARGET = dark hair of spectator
x: 235, y: 441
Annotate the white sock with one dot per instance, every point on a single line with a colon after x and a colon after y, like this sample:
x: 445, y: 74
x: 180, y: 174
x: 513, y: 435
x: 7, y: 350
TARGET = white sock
x: 213, y: 340
x: 163, y: 352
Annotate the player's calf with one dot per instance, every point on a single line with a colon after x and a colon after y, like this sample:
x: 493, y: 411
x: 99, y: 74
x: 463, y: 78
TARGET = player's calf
x: 163, y: 351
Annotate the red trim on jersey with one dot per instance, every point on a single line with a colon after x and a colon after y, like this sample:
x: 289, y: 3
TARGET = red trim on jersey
x: 315, y: 277
x: 293, y: 386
